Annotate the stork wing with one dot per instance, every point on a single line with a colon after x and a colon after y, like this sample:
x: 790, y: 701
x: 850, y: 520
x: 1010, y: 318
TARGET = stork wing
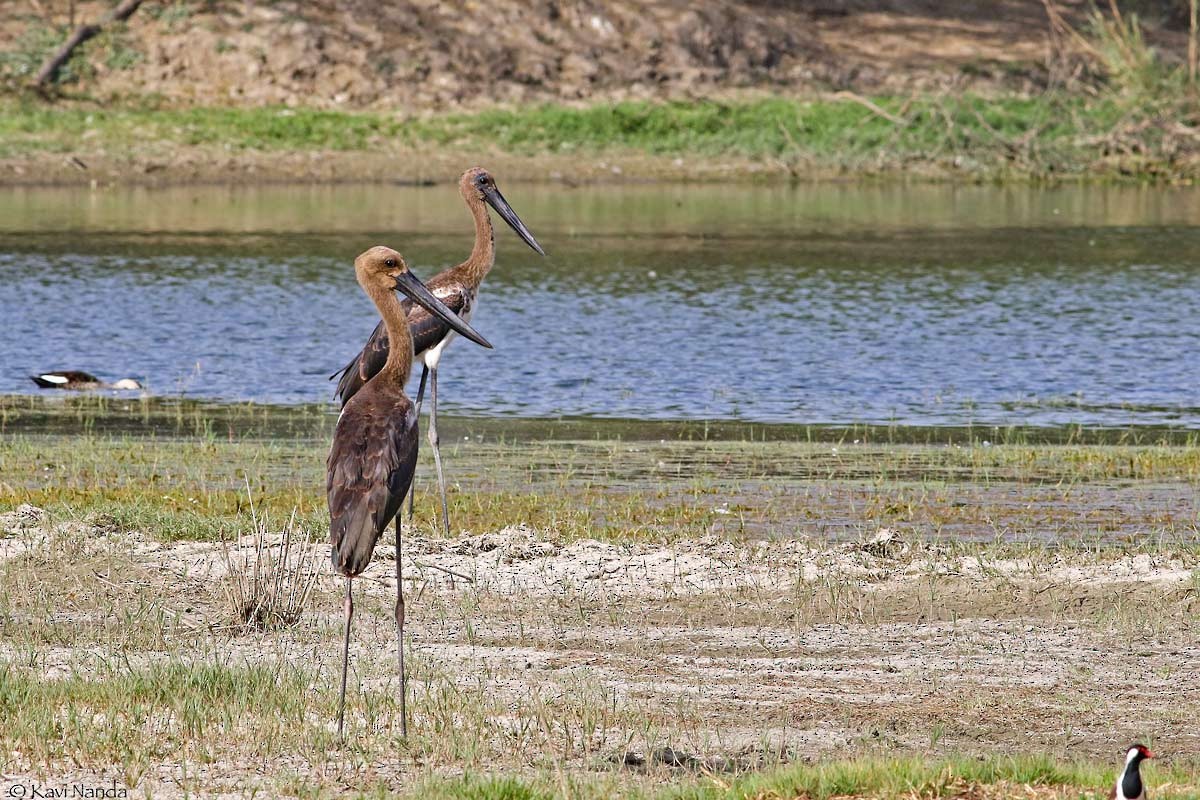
x: 426, y: 329
x: 363, y: 366
x: 369, y: 471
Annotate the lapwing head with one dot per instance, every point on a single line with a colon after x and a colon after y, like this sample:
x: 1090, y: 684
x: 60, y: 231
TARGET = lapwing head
x: 1138, y: 752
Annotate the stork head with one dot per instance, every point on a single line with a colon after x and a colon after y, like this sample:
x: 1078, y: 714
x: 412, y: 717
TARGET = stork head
x: 477, y: 185
x: 381, y: 270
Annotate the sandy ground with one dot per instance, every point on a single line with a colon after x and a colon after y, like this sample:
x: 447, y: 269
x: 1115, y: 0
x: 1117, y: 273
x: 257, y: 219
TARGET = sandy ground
x: 732, y: 650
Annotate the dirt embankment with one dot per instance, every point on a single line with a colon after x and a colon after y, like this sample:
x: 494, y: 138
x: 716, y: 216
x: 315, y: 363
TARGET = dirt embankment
x: 419, y: 55
x: 415, y: 57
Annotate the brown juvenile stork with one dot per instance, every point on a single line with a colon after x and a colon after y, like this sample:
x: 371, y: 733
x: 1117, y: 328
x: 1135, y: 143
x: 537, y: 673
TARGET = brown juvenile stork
x: 374, y: 452
x: 458, y: 288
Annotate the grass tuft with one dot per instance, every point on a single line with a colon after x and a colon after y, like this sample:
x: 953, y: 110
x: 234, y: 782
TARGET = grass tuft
x: 268, y: 586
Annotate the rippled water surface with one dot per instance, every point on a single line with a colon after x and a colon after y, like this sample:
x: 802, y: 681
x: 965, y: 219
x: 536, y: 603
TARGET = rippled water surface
x: 817, y: 304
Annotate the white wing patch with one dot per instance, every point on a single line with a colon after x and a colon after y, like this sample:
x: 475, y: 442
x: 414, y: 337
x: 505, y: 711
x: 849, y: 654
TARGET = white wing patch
x: 50, y: 377
x: 431, y: 356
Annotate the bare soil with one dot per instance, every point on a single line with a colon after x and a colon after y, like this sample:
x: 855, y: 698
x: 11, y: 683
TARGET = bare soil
x: 726, y: 650
x: 390, y: 163
x: 417, y: 55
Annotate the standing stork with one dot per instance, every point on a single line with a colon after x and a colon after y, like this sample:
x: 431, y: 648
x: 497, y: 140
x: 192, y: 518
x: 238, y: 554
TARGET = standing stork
x: 458, y: 288
x: 374, y: 452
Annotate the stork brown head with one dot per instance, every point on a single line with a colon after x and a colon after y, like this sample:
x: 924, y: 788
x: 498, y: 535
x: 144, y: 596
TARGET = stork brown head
x: 477, y: 185
x: 381, y: 270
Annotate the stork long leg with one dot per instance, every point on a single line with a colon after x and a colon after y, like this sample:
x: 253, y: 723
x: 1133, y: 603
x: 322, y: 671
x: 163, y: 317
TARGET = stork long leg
x: 400, y: 634
x: 437, y: 453
x: 349, y: 609
x: 412, y: 489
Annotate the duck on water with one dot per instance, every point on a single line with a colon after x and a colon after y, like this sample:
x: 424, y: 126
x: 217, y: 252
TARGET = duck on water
x: 77, y: 380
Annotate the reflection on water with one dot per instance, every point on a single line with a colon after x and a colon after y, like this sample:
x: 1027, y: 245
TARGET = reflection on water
x: 813, y: 304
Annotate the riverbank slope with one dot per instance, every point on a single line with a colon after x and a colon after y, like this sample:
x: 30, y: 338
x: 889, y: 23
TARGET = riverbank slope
x: 649, y: 90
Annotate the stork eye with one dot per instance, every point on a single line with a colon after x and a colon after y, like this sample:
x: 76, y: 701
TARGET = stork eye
x: 481, y: 180
x: 391, y: 262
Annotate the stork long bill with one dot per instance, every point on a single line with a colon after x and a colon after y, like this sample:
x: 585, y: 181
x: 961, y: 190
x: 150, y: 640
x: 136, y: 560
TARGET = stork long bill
x: 496, y: 200
x: 411, y: 285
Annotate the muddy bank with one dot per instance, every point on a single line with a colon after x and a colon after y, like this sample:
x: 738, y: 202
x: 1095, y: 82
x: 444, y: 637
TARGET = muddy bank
x: 171, y: 166
x: 415, y: 55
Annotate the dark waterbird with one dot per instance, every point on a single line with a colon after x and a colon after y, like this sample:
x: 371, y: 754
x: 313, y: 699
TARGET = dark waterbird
x: 374, y: 452
x: 80, y: 381
x: 458, y: 288
x: 1129, y: 782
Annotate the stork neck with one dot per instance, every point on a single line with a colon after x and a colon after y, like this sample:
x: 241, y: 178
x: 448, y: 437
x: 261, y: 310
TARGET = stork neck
x: 400, y: 347
x: 483, y: 254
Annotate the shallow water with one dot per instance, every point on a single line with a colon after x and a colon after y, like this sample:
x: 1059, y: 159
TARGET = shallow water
x: 833, y: 304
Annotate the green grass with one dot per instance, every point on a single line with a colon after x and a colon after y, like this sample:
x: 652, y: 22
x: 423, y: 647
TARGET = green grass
x: 779, y: 128
x: 1050, y: 135
x: 133, y: 717
x: 128, y: 719
x: 198, y: 488
x: 188, y: 472
x: 1031, y: 776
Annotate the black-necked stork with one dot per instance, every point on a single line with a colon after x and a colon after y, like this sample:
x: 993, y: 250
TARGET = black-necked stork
x: 374, y: 452
x: 458, y: 288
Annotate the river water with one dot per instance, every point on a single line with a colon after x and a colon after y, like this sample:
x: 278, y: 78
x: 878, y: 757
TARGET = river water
x: 827, y: 303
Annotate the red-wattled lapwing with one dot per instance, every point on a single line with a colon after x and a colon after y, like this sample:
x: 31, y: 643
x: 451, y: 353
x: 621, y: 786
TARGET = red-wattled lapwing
x: 458, y: 288
x: 374, y: 452
x: 80, y: 381
x: 1129, y: 782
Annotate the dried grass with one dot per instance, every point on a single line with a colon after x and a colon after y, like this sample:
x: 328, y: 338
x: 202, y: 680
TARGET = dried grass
x: 267, y: 585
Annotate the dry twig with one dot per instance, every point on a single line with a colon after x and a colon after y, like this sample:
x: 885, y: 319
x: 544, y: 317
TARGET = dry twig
x: 870, y: 106
x: 53, y: 64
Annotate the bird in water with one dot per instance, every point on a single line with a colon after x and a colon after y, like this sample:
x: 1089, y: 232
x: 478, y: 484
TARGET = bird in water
x: 80, y: 381
x: 374, y: 452
x: 1129, y: 782
x: 458, y: 288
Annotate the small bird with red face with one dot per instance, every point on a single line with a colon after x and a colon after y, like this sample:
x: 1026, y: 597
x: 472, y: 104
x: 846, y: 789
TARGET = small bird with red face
x: 1129, y: 782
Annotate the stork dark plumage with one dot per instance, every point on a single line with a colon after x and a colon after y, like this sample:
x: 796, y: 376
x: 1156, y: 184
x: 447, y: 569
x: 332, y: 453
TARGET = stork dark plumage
x: 1129, y: 782
x: 458, y: 288
x: 80, y: 381
x: 374, y: 452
